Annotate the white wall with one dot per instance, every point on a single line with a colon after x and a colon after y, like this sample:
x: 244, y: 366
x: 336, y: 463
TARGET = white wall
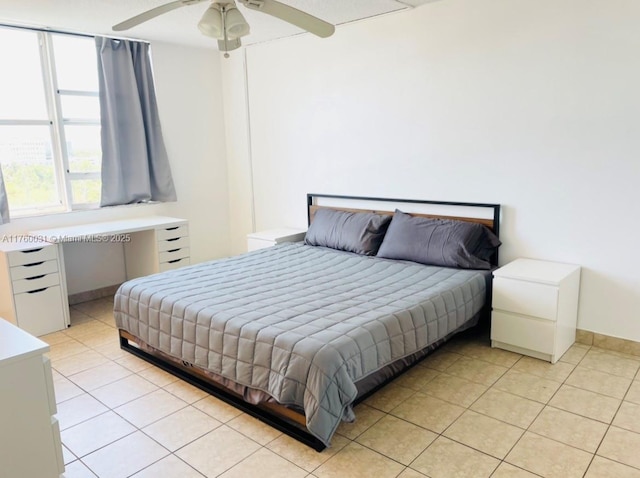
x: 529, y: 103
x: 188, y: 88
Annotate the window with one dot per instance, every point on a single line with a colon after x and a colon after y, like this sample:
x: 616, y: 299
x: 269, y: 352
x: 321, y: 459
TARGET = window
x: 49, y: 121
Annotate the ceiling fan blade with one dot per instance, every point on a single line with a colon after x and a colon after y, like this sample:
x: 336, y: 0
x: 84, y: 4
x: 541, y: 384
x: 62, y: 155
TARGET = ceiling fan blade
x: 154, y: 12
x: 291, y: 15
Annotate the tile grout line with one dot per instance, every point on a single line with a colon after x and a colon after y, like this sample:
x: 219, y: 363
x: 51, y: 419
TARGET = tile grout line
x: 385, y: 413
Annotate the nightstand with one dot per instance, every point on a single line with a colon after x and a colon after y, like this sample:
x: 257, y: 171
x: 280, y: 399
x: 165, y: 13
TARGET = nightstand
x: 261, y: 239
x: 535, y: 308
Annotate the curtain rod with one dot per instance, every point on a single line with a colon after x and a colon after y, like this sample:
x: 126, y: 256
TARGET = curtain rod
x: 63, y: 32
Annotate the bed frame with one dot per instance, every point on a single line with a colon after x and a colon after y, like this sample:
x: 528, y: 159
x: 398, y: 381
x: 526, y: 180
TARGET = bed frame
x: 287, y: 420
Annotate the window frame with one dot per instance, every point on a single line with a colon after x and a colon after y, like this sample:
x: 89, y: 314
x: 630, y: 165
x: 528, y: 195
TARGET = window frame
x: 56, y: 123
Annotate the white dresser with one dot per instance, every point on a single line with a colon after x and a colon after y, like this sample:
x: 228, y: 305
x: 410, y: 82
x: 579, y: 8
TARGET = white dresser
x: 535, y: 308
x: 30, y: 445
x: 32, y: 294
x: 271, y: 237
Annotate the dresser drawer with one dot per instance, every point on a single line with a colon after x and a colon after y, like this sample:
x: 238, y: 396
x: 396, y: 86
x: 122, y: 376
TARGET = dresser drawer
x: 532, y: 334
x: 31, y: 256
x: 33, y: 270
x: 40, y: 312
x: 35, y: 283
x: 57, y: 443
x: 168, y: 256
x: 527, y: 298
x: 172, y: 232
x: 172, y: 244
x: 48, y: 377
x: 174, y: 264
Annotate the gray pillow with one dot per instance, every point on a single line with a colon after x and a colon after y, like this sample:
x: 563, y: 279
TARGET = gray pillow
x: 359, y: 232
x: 439, y: 242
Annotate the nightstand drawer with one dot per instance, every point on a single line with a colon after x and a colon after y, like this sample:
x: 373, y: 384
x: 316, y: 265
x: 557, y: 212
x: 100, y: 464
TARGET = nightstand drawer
x: 30, y: 256
x: 255, y: 244
x: 33, y: 270
x: 172, y: 232
x: 527, y: 298
x: 532, y: 334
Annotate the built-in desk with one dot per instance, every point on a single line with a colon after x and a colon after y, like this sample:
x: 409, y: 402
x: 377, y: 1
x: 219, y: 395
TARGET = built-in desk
x: 151, y: 244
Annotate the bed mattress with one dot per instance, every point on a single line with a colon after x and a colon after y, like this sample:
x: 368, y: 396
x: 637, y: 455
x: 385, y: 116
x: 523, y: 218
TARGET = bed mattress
x: 301, y: 323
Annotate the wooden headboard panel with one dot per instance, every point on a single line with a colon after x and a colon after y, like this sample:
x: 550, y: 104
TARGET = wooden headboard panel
x: 486, y: 222
x: 488, y: 214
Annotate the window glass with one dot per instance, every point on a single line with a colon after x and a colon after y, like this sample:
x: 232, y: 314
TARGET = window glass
x: 51, y: 157
x: 76, y: 63
x: 86, y: 191
x: 83, y: 148
x: 28, y: 167
x: 80, y: 107
x: 22, y: 94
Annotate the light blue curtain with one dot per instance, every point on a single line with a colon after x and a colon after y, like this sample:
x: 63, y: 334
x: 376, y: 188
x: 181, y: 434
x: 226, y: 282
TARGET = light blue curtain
x: 135, y: 166
x: 4, y: 202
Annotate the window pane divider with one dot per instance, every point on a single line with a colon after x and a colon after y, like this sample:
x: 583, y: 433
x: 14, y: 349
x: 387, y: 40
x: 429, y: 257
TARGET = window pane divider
x: 53, y: 101
x: 80, y: 121
x: 94, y: 94
x: 18, y: 122
x: 90, y: 175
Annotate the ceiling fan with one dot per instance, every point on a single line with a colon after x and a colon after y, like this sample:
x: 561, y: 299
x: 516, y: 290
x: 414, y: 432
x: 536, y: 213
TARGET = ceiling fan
x: 223, y: 21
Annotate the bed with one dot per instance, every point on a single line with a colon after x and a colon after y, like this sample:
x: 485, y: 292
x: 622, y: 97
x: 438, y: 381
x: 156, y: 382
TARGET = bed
x: 297, y: 334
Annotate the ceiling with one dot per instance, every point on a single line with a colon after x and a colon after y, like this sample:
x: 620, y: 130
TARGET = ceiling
x: 180, y: 26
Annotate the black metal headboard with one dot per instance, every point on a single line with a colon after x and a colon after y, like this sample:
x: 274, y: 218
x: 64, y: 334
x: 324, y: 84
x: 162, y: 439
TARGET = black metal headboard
x: 492, y: 222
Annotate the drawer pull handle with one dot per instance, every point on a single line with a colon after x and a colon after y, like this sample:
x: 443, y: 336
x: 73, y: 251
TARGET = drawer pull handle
x: 173, y: 250
x: 174, y: 261
x: 37, y: 290
x: 173, y: 239
x: 32, y: 250
x: 172, y: 228
x: 33, y: 264
x: 35, y: 277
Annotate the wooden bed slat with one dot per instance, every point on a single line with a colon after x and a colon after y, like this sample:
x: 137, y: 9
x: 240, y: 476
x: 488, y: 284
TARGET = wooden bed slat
x: 485, y: 222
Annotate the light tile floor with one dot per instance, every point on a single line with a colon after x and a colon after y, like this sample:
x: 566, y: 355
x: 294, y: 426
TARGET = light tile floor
x: 466, y: 411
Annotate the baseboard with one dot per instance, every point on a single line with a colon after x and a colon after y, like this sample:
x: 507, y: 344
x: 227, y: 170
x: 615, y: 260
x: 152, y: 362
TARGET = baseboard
x: 607, y: 342
x: 80, y: 297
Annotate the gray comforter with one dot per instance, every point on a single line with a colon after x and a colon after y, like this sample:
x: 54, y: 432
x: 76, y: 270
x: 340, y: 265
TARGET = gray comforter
x: 300, y: 323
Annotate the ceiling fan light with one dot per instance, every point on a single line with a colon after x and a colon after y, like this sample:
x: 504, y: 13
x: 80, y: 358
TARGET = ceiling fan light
x: 211, y: 22
x: 236, y: 25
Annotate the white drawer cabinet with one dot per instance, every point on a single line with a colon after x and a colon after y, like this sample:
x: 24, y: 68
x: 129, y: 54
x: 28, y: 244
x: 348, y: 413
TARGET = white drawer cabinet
x: 262, y: 239
x: 173, y: 247
x: 535, y: 308
x: 31, y: 293
x: 30, y: 443
x: 157, y: 250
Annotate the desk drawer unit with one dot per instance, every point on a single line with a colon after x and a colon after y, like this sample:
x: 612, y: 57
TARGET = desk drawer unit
x: 173, y: 247
x: 32, y: 255
x: 535, y: 306
x: 32, y: 295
